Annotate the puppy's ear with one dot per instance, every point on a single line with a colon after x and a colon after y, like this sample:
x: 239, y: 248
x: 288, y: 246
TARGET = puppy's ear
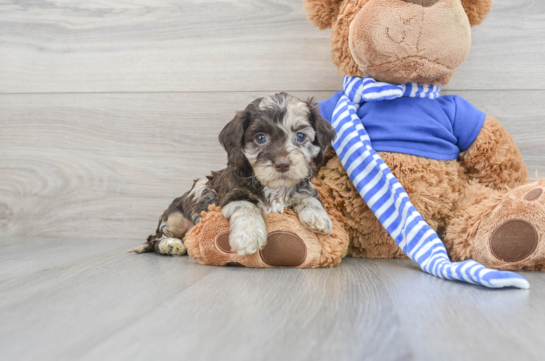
x: 324, y: 131
x: 232, y: 137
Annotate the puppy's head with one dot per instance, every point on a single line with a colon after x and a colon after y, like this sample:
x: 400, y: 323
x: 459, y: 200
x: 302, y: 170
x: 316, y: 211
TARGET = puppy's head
x: 279, y: 137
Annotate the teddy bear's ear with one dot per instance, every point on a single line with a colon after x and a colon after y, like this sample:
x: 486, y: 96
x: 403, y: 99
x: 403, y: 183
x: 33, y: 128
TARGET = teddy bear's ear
x: 477, y: 10
x: 322, y: 13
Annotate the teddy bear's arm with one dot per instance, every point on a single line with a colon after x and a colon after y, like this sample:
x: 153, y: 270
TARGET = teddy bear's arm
x: 494, y: 159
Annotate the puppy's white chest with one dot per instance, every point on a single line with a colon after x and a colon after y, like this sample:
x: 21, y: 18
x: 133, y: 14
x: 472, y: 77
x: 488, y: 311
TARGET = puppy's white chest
x: 277, y: 200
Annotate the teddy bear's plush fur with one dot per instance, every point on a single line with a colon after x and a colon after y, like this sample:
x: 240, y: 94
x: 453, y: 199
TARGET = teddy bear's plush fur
x: 480, y: 204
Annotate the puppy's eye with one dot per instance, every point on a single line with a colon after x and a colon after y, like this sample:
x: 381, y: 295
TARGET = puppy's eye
x: 260, y: 139
x: 300, y: 137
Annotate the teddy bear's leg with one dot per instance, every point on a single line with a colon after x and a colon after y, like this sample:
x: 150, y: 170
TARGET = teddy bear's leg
x: 500, y: 230
x: 289, y: 243
x: 433, y: 187
x: 494, y: 159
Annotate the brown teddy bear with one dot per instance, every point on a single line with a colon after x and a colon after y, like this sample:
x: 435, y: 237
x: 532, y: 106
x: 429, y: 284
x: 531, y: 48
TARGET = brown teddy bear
x: 478, y: 201
x: 460, y: 168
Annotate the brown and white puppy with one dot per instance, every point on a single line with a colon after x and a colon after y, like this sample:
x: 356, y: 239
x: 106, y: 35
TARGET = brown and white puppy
x: 273, y: 148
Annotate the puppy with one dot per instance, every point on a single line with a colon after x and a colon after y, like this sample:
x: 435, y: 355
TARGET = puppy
x: 273, y: 148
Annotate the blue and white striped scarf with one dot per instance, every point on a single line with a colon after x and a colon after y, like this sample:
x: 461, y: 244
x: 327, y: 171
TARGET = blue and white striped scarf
x: 386, y: 197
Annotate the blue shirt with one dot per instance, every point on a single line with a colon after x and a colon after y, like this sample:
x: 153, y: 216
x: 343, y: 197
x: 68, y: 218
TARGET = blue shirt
x: 432, y: 128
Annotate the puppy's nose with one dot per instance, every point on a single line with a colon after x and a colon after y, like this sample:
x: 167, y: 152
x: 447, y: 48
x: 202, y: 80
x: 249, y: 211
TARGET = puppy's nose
x: 282, y: 166
x: 424, y: 3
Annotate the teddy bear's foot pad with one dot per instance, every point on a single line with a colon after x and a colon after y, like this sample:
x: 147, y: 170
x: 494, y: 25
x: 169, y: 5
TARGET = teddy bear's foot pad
x: 512, y: 236
x: 514, y: 240
x: 283, y: 249
x: 222, y: 242
x: 533, y: 195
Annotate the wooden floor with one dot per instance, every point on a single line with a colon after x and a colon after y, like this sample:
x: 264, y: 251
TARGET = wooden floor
x: 85, y: 299
x: 109, y: 109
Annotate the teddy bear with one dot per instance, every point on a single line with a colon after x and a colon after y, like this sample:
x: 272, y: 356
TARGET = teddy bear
x: 477, y: 198
x: 411, y: 173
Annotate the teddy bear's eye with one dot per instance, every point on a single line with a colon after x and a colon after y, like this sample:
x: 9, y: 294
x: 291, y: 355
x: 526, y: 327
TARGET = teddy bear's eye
x: 260, y: 139
x: 300, y: 137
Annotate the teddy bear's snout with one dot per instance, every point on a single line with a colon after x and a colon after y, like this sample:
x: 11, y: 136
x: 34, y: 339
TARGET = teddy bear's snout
x: 414, y: 41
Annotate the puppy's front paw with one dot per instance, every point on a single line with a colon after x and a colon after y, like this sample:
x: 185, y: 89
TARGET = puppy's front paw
x: 171, y: 246
x: 247, y: 236
x: 247, y: 228
x: 317, y: 220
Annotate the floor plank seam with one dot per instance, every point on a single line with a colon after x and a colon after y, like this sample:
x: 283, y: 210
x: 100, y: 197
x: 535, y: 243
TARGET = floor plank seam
x: 248, y: 91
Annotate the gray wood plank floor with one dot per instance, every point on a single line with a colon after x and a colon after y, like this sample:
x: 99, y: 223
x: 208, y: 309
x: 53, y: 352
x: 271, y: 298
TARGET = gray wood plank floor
x: 83, y: 299
x: 109, y: 109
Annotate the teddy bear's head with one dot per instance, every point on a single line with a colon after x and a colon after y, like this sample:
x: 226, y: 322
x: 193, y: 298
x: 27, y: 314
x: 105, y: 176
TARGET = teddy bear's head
x: 399, y: 41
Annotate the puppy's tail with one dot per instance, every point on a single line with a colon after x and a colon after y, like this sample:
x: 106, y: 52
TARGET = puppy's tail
x: 152, y: 239
x: 143, y: 248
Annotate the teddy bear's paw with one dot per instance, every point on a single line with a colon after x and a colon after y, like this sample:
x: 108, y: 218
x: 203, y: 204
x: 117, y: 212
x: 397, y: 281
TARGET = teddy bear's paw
x: 316, y: 219
x: 512, y: 235
x: 283, y: 249
x: 171, y: 246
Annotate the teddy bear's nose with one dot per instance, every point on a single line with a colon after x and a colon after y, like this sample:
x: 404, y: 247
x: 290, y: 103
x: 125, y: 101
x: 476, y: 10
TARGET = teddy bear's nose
x: 424, y: 3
